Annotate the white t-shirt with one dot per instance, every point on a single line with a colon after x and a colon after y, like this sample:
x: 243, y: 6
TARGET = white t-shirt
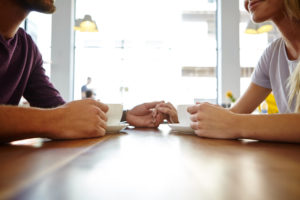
x: 273, y: 70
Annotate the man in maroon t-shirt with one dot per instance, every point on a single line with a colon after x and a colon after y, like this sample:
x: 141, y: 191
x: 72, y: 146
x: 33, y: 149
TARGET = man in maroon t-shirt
x: 22, y: 74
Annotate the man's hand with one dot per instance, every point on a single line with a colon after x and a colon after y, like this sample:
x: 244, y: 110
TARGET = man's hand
x: 144, y: 115
x: 78, y: 119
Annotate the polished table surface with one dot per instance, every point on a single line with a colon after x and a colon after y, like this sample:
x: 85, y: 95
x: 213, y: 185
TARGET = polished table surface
x: 149, y: 164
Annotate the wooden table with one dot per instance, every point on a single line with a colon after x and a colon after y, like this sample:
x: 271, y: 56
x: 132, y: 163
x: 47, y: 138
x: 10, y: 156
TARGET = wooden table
x: 149, y: 164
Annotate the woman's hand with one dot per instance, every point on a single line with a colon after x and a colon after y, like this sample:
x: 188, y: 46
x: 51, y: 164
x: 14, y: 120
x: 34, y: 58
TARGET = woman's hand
x: 213, y: 121
x: 144, y: 115
x: 169, y: 111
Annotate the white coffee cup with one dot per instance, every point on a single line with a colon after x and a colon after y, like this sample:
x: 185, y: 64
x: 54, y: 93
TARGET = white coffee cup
x: 114, y: 114
x: 183, y: 114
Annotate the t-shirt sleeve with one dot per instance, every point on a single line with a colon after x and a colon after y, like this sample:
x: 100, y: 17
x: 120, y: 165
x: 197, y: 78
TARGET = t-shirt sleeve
x: 260, y: 75
x: 40, y: 92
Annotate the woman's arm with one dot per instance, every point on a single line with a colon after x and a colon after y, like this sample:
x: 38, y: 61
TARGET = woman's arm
x: 274, y: 127
x: 253, y: 96
x: 216, y: 122
x: 213, y: 121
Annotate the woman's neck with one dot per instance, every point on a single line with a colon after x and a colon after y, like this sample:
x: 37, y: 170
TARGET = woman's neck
x: 290, y: 31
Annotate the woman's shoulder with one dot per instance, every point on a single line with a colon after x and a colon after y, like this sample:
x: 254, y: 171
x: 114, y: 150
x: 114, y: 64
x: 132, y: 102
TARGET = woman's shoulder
x: 276, y: 44
x: 274, y: 48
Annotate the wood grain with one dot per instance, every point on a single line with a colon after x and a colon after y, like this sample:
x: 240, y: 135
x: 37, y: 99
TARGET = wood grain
x: 151, y: 164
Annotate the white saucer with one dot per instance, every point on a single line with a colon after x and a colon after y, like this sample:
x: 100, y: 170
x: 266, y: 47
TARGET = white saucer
x: 183, y: 128
x: 115, y: 128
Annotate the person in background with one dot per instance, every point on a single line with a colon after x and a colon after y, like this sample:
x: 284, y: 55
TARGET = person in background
x: 84, y: 88
x: 22, y: 74
x: 278, y: 70
x: 89, y: 94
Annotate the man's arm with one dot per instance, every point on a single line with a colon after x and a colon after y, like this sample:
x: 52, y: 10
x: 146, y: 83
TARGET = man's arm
x: 22, y: 123
x: 78, y: 119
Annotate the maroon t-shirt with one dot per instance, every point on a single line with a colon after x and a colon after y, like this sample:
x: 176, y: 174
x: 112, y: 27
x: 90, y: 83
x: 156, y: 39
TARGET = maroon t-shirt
x: 22, y: 74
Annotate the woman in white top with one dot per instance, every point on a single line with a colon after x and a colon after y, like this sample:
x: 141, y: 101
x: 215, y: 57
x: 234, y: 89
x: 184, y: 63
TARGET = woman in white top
x: 278, y: 71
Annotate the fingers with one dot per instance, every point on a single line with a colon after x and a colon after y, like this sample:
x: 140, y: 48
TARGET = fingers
x: 194, y: 125
x: 171, y: 106
x: 102, y: 108
x: 164, y: 110
x: 152, y: 104
x: 194, y: 118
x: 98, y: 104
x: 154, y: 113
x: 199, y: 131
x: 101, y: 131
x: 102, y: 124
x: 198, y: 112
x: 200, y: 107
x: 101, y: 114
x: 193, y: 109
x: 159, y: 118
x: 156, y: 121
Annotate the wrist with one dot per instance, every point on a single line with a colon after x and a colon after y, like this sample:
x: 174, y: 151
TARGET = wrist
x: 36, y: 122
x: 129, y: 117
x: 124, y: 116
x: 238, y: 126
x: 50, y: 122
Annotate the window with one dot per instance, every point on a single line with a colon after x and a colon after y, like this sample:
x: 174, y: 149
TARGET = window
x: 147, y: 50
x: 38, y: 26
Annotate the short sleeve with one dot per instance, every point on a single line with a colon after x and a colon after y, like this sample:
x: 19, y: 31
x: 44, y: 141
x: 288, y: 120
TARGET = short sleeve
x: 260, y: 75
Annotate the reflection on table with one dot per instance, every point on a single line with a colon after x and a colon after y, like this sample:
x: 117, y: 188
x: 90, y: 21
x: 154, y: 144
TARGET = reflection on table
x: 149, y: 164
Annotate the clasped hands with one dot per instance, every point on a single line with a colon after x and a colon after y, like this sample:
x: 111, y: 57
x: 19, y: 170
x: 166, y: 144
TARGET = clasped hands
x: 151, y: 114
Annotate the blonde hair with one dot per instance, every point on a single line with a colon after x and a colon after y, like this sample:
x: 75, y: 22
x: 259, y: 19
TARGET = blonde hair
x: 294, y: 84
x: 293, y: 11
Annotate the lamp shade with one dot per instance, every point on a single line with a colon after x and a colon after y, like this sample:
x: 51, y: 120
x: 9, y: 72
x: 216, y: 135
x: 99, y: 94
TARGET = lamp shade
x: 86, y: 24
x: 264, y: 27
x: 256, y: 28
x: 251, y: 28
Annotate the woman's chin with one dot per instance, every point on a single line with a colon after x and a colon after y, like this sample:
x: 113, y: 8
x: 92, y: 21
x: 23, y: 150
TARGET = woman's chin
x: 256, y: 19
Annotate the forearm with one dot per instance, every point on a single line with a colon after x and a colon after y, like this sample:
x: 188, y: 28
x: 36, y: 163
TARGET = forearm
x: 21, y: 123
x: 276, y: 127
x: 250, y: 99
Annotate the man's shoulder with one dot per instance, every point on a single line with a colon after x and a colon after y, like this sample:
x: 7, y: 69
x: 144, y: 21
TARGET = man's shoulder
x: 24, y: 36
x: 22, y: 33
x: 25, y: 40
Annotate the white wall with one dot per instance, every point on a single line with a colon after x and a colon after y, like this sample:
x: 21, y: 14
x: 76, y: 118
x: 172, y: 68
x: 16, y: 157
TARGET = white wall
x: 62, y: 72
x: 228, y: 48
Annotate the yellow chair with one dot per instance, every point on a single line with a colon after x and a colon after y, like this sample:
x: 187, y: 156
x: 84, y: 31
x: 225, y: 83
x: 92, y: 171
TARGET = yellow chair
x: 272, y: 107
